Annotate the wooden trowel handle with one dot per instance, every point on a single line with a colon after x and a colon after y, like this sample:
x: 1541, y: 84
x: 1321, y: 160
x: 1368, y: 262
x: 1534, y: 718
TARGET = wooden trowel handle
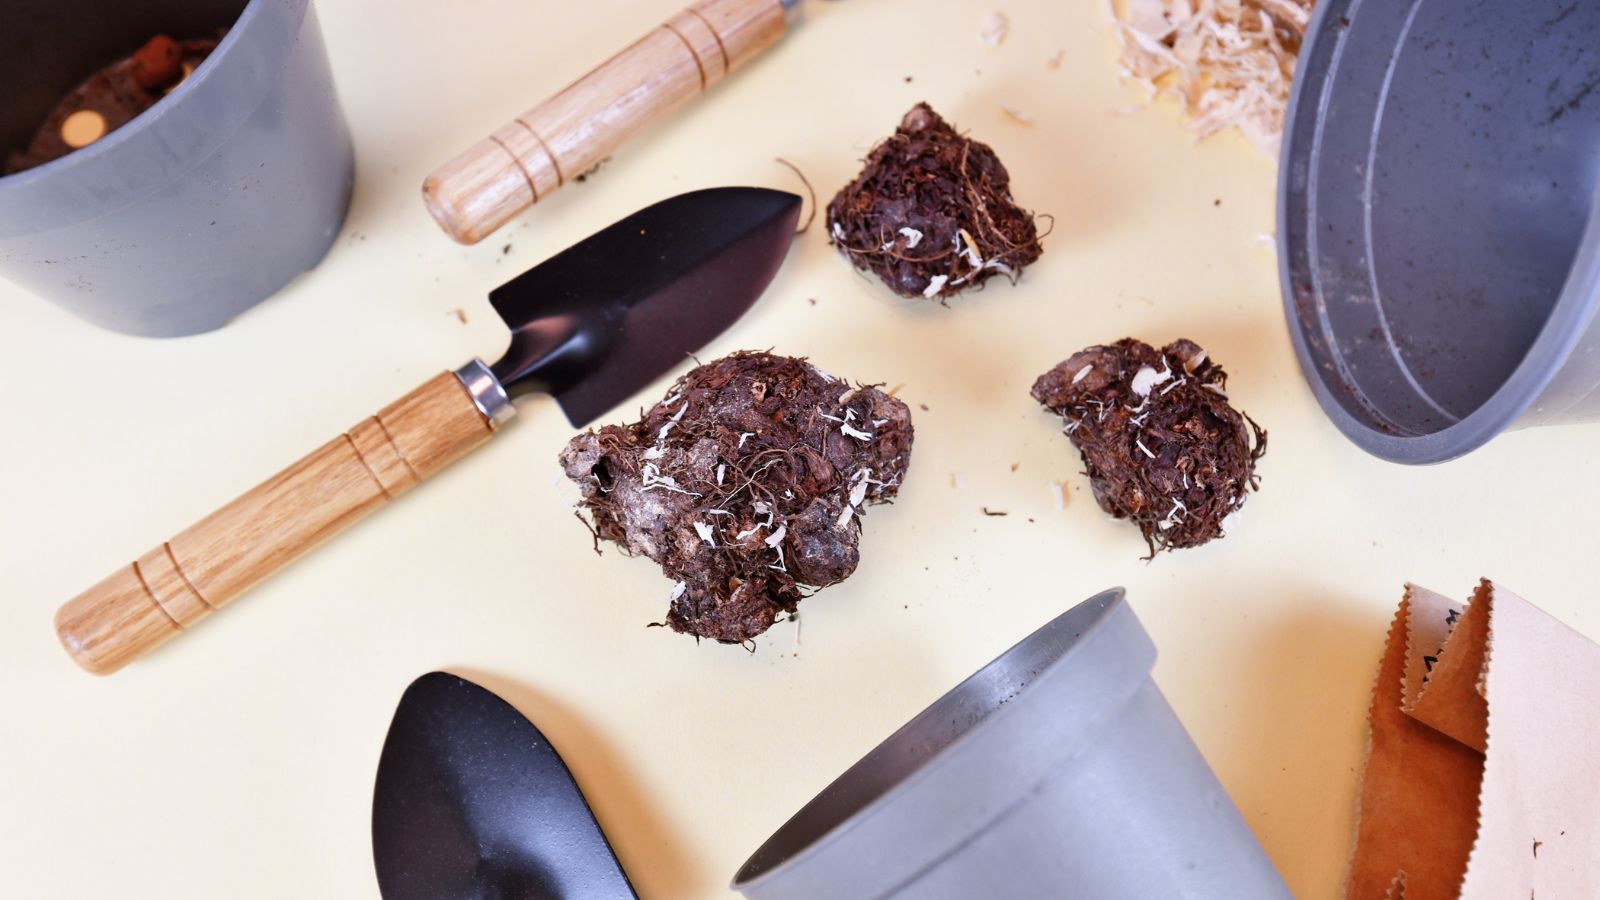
x: 570, y: 133
x: 180, y: 582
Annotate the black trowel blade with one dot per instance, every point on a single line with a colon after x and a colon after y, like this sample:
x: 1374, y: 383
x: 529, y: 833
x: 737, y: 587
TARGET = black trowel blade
x: 608, y: 315
x: 471, y: 801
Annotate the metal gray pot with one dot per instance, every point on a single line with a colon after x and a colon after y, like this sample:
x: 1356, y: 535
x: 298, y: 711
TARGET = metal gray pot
x: 202, y: 206
x: 1058, y: 770
x: 1438, y: 224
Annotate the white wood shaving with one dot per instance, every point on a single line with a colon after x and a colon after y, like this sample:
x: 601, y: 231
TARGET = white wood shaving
x: 994, y: 29
x: 913, y: 237
x: 775, y: 541
x: 935, y: 285
x: 838, y: 232
x: 1143, y: 449
x: 722, y: 469
x: 1082, y: 374
x: 968, y: 247
x: 1147, y: 378
x: 706, y: 533
x: 854, y: 432
x: 846, y: 396
x: 1017, y: 114
x: 1228, y: 62
x: 678, y: 590
x: 1059, y: 494
x: 672, y: 422
x: 650, y: 478
x: 858, y: 494
x: 745, y: 436
x: 655, y: 452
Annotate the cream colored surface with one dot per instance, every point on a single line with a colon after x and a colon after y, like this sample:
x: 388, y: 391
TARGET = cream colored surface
x: 239, y: 761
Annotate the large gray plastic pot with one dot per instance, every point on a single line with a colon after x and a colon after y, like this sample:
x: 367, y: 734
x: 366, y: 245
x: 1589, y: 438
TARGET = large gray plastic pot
x: 202, y: 206
x: 1438, y: 231
x: 1058, y: 770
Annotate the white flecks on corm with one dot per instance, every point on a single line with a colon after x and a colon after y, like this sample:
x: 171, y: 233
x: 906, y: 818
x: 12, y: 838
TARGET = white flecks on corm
x: 858, y: 434
x: 1147, y: 378
x: 651, y: 478
x: 775, y: 541
x: 706, y: 533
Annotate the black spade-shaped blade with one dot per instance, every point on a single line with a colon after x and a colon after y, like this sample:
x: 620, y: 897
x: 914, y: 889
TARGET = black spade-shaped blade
x: 613, y: 312
x: 472, y: 802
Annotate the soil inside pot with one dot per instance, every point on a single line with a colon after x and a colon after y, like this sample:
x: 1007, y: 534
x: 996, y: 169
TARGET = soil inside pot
x: 111, y: 98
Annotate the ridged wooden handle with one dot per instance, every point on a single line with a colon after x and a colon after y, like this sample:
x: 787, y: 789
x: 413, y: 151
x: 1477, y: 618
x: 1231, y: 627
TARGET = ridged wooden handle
x: 180, y: 582
x: 565, y: 136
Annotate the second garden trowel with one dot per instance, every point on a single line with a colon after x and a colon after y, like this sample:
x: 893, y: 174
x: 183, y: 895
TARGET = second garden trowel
x: 590, y: 326
x: 472, y: 801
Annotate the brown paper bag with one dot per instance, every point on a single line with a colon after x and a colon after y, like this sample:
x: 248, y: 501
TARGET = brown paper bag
x: 1482, y: 777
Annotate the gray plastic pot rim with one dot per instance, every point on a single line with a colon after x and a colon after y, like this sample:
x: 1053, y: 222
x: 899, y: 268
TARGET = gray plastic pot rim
x: 94, y: 154
x: 929, y: 768
x: 1571, y: 317
x: 1569, y: 320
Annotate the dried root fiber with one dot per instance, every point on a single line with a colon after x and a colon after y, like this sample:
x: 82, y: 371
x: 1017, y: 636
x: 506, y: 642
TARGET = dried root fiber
x: 1161, y: 444
x: 747, y: 484
x: 931, y: 214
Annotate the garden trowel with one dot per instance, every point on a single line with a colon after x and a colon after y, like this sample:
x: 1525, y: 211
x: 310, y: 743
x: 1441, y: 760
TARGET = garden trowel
x: 591, y: 325
x: 472, y: 802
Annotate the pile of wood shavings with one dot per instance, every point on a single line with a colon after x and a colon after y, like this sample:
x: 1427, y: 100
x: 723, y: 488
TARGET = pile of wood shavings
x: 1230, y: 62
x: 747, y: 483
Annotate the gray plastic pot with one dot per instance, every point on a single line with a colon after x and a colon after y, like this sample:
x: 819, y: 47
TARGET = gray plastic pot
x: 1058, y: 770
x: 1438, y: 224
x: 202, y: 206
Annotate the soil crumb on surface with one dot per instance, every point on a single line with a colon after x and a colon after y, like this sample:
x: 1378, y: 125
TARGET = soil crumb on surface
x: 931, y: 213
x: 747, y: 484
x: 1161, y: 444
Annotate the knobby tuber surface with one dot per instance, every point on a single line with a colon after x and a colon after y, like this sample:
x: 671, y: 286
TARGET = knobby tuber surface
x: 1161, y: 444
x: 746, y: 484
x: 931, y: 213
